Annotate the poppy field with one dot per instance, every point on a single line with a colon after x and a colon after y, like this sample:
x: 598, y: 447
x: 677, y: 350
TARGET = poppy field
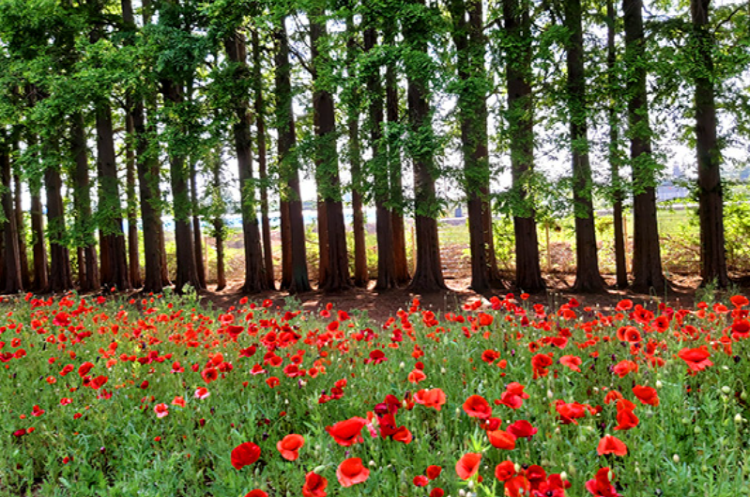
x: 158, y: 396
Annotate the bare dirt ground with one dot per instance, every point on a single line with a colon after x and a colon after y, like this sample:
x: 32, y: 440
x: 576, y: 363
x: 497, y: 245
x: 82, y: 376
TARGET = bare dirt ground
x: 381, y: 305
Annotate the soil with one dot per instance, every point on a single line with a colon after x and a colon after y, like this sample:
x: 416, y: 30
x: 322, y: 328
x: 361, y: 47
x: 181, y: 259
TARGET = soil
x: 382, y: 305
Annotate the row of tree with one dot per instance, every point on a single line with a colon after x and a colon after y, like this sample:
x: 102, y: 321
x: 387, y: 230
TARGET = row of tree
x: 116, y: 101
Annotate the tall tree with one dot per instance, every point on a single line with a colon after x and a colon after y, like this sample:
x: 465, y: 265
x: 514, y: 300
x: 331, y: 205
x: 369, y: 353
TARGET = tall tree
x: 255, y: 278
x: 134, y: 268
x: 173, y: 80
x: 147, y: 166
x: 39, y: 247
x: 11, y: 253
x: 614, y: 154
x: 393, y: 145
x: 710, y: 201
x: 84, y: 228
x: 384, y: 222
x: 110, y: 208
x: 60, y: 278
x: 588, y: 278
x: 287, y: 139
x: 354, y: 101
x: 647, y: 270
x: 200, y: 267
x: 260, y: 126
x: 472, y: 108
x: 18, y: 208
x: 428, y: 275
x: 520, y: 120
x: 327, y: 166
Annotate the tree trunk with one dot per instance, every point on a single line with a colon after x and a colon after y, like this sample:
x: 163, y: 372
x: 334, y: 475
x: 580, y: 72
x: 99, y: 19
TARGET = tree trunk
x: 361, y: 276
x: 18, y: 208
x: 336, y: 277
x: 260, y: 124
x: 614, y: 149
x: 200, y: 267
x: 647, y: 269
x: 384, y: 225
x: 711, y: 205
x: 255, y: 278
x: 473, y: 123
x: 297, y: 253
x: 393, y: 156
x: 134, y: 269
x: 428, y: 276
x: 588, y: 278
x: 187, y: 272
x: 323, y: 260
x: 218, y: 223
x: 39, y: 248
x: 520, y: 120
x: 88, y: 268
x: 11, y: 252
x: 60, y: 279
x: 110, y: 208
x: 148, y: 175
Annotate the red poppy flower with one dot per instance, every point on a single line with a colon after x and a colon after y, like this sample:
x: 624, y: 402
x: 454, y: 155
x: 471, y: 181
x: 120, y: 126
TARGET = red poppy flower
x: 468, y: 465
x: 505, y: 470
x: 518, y: 486
x: 696, y: 359
x: 437, y: 492
x: 539, y: 364
x: 416, y: 376
x: 624, y: 305
x: 739, y: 300
x: 290, y: 445
x: 611, y: 445
x: 433, y: 471
x: 647, y: 395
x: 626, y: 418
x: 245, y: 454
x: 347, y: 432
x: 256, y: 493
x: 740, y: 329
x: 210, y: 374
x: 477, y: 406
x: 161, y: 410
x: 315, y: 485
x: 622, y: 368
x: 522, y: 429
x: 351, y: 471
x: 434, y: 398
x: 84, y: 369
x: 601, y: 485
x: 420, y: 481
x: 485, y: 319
x: 502, y: 440
x: 61, y: 319
x: 571, y: 361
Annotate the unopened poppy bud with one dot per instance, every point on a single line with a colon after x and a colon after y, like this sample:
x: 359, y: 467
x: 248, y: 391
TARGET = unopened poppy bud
x: 517, y: 467
x: 563, y: 475
x: 676, y: 458
x: 550, y: 394
x: 319, y: 469
x: 738, y: 418
x: 470, y: 484
x: 372, y: 463
x: 726, y: 389
x: 659, y: 384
